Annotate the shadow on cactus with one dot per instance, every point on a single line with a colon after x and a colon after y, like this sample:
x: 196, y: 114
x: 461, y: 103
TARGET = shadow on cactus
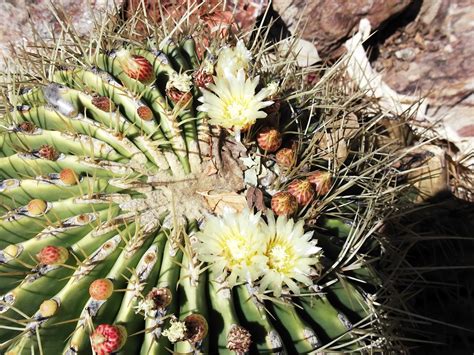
x: 195, y: 194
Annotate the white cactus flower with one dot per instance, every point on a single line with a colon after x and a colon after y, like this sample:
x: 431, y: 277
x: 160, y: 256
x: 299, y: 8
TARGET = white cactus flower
x: 232, y: 245
x: 232, y: 102
x: 291, y: 255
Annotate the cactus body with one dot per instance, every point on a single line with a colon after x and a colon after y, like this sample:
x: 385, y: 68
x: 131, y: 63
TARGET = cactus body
x: 102, y: 175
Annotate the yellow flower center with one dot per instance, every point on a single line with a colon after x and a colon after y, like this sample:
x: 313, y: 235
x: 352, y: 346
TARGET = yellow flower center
x: 281, y: 257
x: 236, y: 111
x: 237, y: 250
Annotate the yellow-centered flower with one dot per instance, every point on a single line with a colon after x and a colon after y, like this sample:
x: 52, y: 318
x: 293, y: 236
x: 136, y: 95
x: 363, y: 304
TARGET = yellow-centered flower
x: 242, y: 247
x: 291, y: 256
x: 231, y: 102
x: 234, y: 246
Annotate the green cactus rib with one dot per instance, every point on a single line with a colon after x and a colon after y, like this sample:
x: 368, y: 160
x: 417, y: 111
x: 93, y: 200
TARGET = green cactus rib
x: 332, y: 322
x: 49, y: 119
x: 192, y: 295
x: 223, y: 315
x: 72, y: 230
x: 181, y: 121
x: 20, y: 227
x: 174, y: 52
x: 303, y: 337
x: 20, y: 192
x: 71, y: 300
x: 188, y: 47
x: 78, y: 145
x: 350, y: 298
x: 127, y: 260
x: 141, y: 281
x: 44, y: 282
x: 154, y: 343
x: 257, y: 318
x: 117, y: 221
x: 24, y: 164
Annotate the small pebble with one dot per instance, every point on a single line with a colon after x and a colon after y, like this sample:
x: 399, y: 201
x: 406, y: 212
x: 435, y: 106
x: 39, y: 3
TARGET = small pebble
x: 406, y: 54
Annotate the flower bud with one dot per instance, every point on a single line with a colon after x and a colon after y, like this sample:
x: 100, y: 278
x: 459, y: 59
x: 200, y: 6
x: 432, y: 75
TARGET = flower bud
x: 36, y: 207
x: 68, y: 177
x: 285, y: 157
x: 321, y: 180
x: 52, y: 255
x: 284, y: 204
x: 101, y: 289
x: 269, y: 139
x: 302, y: 190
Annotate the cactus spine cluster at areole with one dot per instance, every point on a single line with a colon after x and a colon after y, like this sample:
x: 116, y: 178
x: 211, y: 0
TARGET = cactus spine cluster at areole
x: 159, y: 198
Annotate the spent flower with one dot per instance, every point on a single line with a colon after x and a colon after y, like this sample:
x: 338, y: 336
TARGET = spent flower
x: 232, y: 59
x: 176, y: 331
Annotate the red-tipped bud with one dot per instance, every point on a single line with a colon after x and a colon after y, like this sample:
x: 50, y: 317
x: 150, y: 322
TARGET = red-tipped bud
x: 136, y: 66
x: 68, y: 177
x: 107, y: 338
x: 322, y: 181
x: 52, y: 255
x: 284, y: 204
x: 202, y: 78
x: 36, y: 207
x: 302, y: 190
x: 145, y: 113
x: 103, y: 103
x: 101, y: 289
x: 48, y: 152
x: 269, y: 139
x: 285, y: 157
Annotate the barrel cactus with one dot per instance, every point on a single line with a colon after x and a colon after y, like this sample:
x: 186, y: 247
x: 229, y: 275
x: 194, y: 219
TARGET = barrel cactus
x: 154, y: 199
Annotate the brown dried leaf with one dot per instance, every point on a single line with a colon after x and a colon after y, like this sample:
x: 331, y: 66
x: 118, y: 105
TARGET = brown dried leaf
x: 210, y: 168
x: 333, y: 148
x: 429, y: 177
x: 255, y: 199
x: 346, y: 127
x: 218, y: 201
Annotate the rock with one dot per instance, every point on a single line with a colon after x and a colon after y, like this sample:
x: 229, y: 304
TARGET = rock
x: 406, y: 54
x: 245, y: 12
x: 443, y: 72
x: 330, y: 23
x: 22, y: 16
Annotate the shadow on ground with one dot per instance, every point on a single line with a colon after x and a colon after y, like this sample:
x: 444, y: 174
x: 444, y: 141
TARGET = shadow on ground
x: 439, y: 278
